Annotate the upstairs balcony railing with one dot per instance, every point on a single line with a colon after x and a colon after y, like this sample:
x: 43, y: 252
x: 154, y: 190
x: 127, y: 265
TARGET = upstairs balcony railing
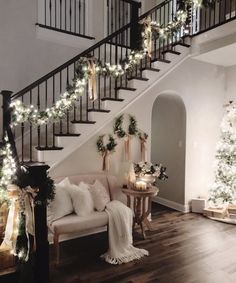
x: 68, y: 16
x: 120, y: 13
x: 213, y: 15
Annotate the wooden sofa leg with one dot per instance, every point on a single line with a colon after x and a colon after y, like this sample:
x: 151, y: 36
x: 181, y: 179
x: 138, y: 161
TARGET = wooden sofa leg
x: 57, y: 248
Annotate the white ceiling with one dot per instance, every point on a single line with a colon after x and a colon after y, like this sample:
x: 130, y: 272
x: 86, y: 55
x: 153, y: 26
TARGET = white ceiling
x: 224, y: 56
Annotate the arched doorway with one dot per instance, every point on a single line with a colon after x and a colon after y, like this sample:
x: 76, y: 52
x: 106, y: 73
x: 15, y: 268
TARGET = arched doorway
x: 168, y: 142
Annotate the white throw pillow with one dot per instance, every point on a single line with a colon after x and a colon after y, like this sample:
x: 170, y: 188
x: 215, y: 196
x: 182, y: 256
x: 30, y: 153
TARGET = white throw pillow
x: 81, y: 199
x: 62, y: 203
x: 100, y: 195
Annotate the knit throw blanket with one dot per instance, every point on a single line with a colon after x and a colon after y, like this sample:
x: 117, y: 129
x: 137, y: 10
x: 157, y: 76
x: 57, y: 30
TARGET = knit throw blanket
x: 121, y: 249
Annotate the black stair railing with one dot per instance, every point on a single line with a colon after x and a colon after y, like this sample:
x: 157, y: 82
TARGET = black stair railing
x: 46, y: 91
x: 213, y: 15
x: 120, y: 13
x: 68, y: 16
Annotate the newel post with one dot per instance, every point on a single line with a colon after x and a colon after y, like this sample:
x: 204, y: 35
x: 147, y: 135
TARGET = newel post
x: 38, y: 175
x: 135, y: 29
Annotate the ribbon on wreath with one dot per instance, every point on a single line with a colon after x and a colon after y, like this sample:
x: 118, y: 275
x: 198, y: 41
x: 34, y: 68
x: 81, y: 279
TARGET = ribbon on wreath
x: 147, y: 34
x: 105, y: 161
x: 127, y: 148
x: 22, y: 201
x: 92, y: 81
x: 143, y: 140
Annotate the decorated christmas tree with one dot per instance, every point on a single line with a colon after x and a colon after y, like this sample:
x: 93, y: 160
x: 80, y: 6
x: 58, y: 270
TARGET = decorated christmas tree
x: 223, y: 190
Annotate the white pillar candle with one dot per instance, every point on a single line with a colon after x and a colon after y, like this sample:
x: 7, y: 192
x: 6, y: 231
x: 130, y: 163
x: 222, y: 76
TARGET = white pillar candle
x: 141, y: 185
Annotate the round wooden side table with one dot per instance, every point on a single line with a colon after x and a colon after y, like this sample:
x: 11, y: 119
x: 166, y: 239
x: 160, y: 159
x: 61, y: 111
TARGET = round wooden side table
x: 141, y: 205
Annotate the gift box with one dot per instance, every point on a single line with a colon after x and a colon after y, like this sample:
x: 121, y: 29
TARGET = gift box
x: 216, y: 212
x: 232, y: 209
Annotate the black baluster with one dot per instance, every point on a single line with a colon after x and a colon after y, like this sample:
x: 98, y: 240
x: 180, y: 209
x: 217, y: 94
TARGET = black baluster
x: 55, y: 4
x: 22, y: 136
x: 75, y: 15
x: 105, y: 77
x: 81, y: 106
x: 31, y: 144
x: 65, y: 15
x: 99, y: 81
x: 79, y: 15
x: 50, y: 12
x: 112, y: 9
x: 84, y: 3
x: 87, y: 101
x: 39, y: 130
x: 60, y: 93
x: 60, y: 14
x: 108, y: 17
x: 110, y: 76
x: 75, y: 104
x: 53, y: 102
x: 45, y: 12
x: 67, y: 112
x: 116, y: 61
x: 46, y: 105
x: 70, y: 15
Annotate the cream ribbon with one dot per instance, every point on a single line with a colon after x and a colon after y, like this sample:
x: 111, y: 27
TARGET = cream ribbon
x: 148, y: 34
x: 127, y: 148
x: 92, y: 81
x: 143, y: 149
x: 105, y: 161
x: 18, y: 196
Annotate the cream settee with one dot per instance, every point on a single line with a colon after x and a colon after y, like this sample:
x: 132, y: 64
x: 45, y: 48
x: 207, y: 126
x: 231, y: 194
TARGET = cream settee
x: 72, y: 225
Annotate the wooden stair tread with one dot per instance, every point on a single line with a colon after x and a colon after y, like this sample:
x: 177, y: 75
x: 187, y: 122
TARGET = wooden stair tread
x: 82, y: 122
x: 66, y: 135
x: 138, y: 78
x: 99, y: 110
x: 48, y: 148
x: 112, y: 99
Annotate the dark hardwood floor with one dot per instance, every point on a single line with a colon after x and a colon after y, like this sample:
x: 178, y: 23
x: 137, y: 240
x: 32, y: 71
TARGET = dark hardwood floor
x: 184, y: 248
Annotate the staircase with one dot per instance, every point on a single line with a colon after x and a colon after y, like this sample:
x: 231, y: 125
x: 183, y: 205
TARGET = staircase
x: 54, y: 142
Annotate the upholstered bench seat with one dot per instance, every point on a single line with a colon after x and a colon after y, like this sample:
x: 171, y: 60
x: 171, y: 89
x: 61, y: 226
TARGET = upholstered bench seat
x: 73, y: 223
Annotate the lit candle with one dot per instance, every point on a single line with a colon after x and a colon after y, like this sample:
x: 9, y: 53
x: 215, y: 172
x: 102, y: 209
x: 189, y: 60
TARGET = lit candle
x: 141, y: 185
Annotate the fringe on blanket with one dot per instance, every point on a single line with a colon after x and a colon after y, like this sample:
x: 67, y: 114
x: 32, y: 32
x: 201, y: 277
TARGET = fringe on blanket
x: 121, y: 249
x: 135, y: 254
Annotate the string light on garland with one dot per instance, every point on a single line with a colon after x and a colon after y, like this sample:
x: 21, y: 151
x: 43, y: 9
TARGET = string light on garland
x: 7, y: 171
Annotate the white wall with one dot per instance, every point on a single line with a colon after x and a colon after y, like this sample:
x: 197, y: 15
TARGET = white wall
x: 230, y: 83
x: 201, y: 86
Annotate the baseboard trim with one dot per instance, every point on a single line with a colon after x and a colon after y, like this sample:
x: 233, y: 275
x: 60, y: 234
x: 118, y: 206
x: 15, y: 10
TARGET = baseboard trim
x: 172, y: 204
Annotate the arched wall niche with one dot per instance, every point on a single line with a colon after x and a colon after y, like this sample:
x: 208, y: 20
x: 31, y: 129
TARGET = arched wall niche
x: 168, y: 144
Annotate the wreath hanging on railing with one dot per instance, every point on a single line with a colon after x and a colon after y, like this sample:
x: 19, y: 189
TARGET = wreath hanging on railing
x: 106, y: 149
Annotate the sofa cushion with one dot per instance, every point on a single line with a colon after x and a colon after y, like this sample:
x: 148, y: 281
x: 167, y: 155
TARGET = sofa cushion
x: 73, y: 223
x: 81, y: 198
x: 62, y: 203
x: 100, y: 195
x: 88, y: 178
